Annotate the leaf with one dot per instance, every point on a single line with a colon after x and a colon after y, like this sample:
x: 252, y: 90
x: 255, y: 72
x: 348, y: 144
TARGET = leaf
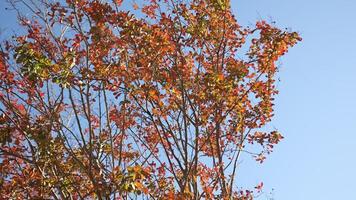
x: 118, y: 2
x: 259, y: 187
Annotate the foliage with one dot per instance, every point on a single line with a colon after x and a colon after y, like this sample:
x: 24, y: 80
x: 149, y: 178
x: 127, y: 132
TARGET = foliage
x: 155, y: 102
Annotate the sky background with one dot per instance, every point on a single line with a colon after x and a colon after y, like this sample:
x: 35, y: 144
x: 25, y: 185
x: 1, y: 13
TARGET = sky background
x: 315, y: 109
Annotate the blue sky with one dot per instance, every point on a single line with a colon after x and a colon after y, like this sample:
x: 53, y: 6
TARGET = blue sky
x: 315, y: 109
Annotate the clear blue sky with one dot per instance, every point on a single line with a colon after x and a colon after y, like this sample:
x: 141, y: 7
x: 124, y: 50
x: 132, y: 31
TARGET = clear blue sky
x: 315, y: 109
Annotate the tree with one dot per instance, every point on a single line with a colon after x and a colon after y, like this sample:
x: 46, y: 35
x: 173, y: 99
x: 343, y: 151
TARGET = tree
x: 102, y: 101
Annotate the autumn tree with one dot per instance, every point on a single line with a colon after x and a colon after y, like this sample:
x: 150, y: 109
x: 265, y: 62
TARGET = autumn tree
x: 147, y: 100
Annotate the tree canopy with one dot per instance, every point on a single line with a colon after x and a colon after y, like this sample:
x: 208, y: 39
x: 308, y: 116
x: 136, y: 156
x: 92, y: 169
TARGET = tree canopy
x: 155, y: 101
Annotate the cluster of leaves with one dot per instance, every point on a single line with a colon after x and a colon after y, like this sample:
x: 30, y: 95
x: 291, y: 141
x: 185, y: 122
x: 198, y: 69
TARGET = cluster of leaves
x: 99, y: 102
